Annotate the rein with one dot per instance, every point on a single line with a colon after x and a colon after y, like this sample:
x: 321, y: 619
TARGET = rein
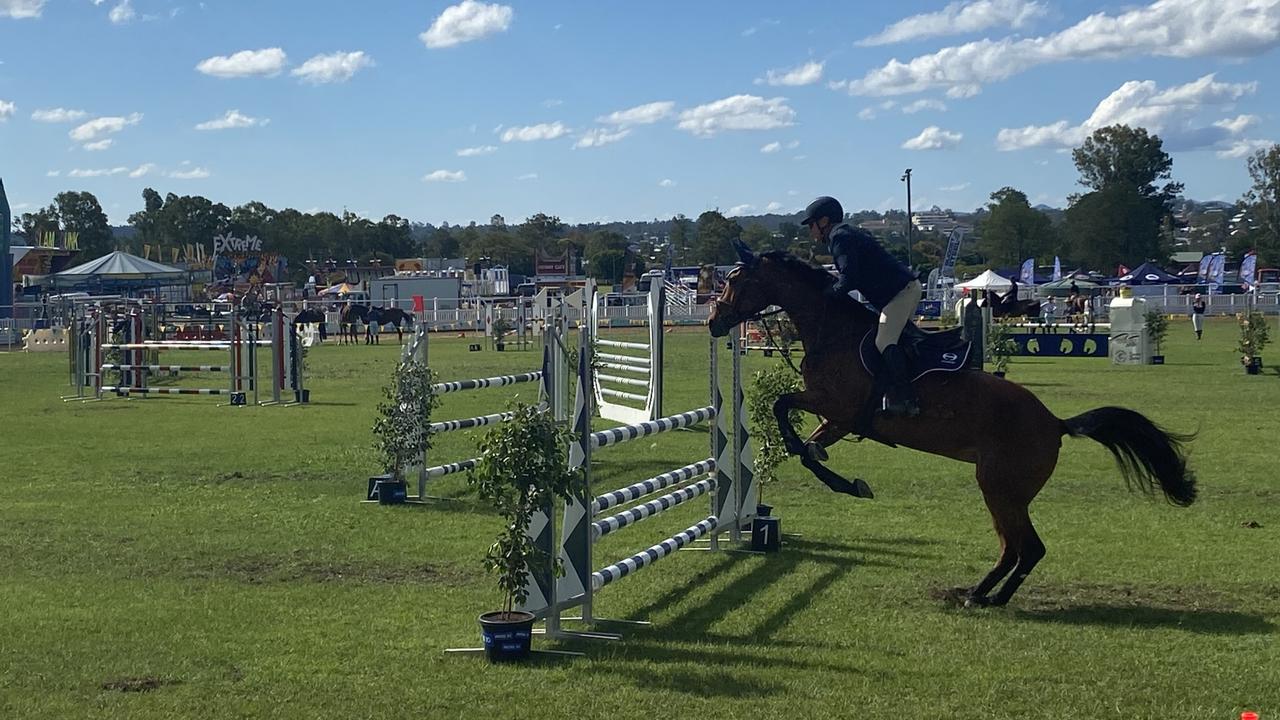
x: 785, y: 351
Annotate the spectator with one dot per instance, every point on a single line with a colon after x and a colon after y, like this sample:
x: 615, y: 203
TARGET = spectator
x: 1197, y: 315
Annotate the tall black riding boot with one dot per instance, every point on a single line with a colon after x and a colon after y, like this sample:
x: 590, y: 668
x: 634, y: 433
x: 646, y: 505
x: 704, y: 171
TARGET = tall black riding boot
x: 899, y: 397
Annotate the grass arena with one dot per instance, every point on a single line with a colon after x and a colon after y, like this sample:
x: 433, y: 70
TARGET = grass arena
x: 220, y: 559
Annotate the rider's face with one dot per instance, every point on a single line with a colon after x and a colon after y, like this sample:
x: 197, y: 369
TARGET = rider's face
x: 816, y: 229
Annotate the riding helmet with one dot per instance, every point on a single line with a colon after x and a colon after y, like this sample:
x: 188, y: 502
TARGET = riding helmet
x: 823, y: 207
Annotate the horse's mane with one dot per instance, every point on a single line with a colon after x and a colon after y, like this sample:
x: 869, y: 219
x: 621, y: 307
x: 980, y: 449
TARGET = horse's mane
x: 819, y: 278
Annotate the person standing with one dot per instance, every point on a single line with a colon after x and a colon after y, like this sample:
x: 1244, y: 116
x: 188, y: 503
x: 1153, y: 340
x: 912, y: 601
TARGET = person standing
x: 1197, y: 315
x: 888, y: 285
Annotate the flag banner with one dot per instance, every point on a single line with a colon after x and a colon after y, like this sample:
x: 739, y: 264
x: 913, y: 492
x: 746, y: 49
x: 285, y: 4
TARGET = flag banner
x: 1248, y: 269
x: 1218, y: 270
x: 1057, y: 269
x: 1203, y: 273
x: 1028, y: 274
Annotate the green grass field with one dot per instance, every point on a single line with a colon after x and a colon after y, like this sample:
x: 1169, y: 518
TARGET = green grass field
x: 220, y: 559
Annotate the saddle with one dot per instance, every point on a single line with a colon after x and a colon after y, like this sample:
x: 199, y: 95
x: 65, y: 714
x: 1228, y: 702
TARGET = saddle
x: 926, y: 351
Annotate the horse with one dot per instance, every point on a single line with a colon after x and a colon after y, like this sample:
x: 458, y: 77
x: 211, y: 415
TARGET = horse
x: 311, y: 315
x: 352, y: 315
x: 967, y: 415
x: 392, y: 316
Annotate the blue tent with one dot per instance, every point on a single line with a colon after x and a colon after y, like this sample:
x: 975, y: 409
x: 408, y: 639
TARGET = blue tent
x: 1148, y: 274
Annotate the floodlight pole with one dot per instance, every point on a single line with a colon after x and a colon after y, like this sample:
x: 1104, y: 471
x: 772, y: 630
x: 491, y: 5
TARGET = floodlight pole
x: 906, y: 177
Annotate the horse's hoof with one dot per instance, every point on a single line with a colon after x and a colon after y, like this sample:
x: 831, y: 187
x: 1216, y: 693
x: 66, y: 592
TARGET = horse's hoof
x: 977, y: 601
x: 816, y: 452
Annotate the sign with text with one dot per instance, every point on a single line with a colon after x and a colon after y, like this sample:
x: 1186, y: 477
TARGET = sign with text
x: 243, y: 261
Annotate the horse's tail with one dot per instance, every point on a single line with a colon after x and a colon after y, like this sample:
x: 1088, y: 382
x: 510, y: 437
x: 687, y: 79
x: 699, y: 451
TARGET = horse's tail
x: 1146, y: 453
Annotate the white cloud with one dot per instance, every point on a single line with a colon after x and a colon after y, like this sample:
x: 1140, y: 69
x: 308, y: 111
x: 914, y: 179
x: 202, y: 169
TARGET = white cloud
x: 122, y: 13
x: 792, y: 145
x: 1241, y: 148
x: 1238, y: 124
x: 959, y: 18
x: 476, y: 151
x: 79, y: 173
x: 954, y: 188
x: 601, y: 136
x: 99, y: 145
x: 867, y: 114
x: 53, y: 173
x: 246, y: 63
x: 666, y: 182
x: 19, y: 9
x: 924, y: 104
x: 772, y: 147
x: 806, y: 74
x: 639, y: 115
x: 552, y: 102
x: 57, y: 115
x: 334, y: 67
x: 528, y: 176
x: 142, y: 170
x: 192, y: 174
x: 467, y: 21
x: 1171, y: 113
x: 737, y: 210
x: 933, y: 138
x: 1165, y: 28
x: 738, y: 112
x: 774, y: 206
x: 530, y: 133
x: 7, y: 109
x: 233, y: 119
x: 103, y: 126
x: 445, y: 176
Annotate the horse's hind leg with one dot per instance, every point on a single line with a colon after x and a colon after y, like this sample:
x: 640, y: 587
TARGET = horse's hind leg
x: 1021, y: 547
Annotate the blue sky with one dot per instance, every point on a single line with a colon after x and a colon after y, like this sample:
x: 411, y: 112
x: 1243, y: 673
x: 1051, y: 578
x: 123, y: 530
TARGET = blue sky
x: 617, y: 110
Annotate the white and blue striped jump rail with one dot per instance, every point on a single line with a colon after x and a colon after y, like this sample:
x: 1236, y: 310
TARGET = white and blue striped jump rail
x: 620, y: 344
x: 625, y: 433
x: 636, y: 359
x: 639, y: 370
x: 648, y: 557
x: 604, y: 526
x: 476, y: 384
x: 650, y: 486
x: 623, y: 380
x: 165, y: 391
x: 451, y: 468
x: 463, y: 424
x: 624, y: 395
x: 170, y: 368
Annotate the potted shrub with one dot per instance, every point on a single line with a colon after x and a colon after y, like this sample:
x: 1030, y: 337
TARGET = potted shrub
x: 769, y: 450
x: 1000, y: 347
x: 523, y: 467
x: 1157, y: 330
x: 1254, y: 336
x: 500, y: 329
x: 401, y: 430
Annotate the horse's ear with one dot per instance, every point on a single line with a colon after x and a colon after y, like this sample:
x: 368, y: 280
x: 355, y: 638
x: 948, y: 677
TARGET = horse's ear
x: 744, y: 252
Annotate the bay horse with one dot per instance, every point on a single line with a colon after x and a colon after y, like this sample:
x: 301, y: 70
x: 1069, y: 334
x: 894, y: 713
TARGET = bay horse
x: 379, y: 316
x: 350, y: 318
x: 966, y: 415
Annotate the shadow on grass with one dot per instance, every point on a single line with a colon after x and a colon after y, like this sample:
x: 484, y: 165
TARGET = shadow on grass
x: 1212, y: 622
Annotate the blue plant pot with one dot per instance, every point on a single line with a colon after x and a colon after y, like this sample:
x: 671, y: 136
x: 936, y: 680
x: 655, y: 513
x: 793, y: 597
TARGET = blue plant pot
x: 506, y: 635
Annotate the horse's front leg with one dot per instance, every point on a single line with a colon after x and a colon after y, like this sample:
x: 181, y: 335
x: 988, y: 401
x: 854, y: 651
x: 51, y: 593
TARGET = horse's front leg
x: 782, y: 408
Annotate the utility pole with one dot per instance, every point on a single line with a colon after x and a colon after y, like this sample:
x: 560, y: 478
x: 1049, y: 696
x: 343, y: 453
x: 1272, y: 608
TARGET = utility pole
x: 906, y: 177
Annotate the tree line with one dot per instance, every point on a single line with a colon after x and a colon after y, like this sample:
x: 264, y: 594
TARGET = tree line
x: 1126, y: 215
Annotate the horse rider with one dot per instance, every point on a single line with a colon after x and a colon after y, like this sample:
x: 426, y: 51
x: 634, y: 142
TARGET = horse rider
x: 889, y: 286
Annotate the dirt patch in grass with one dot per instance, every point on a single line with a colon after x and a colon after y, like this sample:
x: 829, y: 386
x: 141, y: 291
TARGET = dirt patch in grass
x: 1040, y: 597
x: 270, y: 570
x: 138, y: 684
